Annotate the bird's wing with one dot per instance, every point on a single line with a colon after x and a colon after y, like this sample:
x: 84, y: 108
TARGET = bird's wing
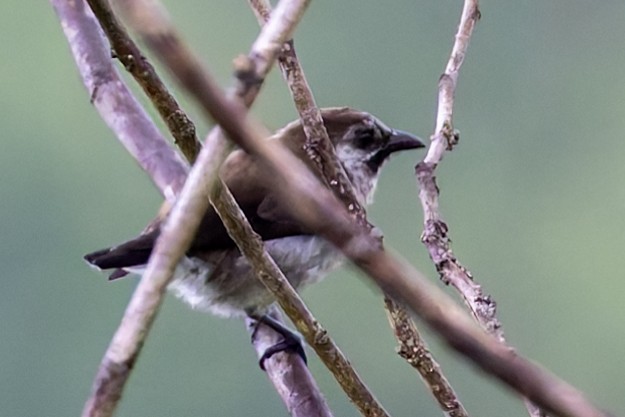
x: 252, y: 192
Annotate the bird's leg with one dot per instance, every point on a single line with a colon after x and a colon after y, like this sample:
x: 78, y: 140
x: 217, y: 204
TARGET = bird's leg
x: 290, y: 342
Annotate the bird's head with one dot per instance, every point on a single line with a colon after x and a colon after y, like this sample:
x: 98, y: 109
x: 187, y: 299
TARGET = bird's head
x: 362, y: 143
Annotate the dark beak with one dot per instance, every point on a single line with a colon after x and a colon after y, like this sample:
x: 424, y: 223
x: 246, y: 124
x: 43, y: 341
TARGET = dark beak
x: 401, y: 141
x: 398, y: 141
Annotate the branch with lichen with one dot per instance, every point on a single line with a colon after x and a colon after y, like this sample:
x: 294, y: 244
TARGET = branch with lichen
x: 435, y: 235
x: 250, y: 71
x: 318, y: 146
x: 320, y: 150
x: 414, y: 350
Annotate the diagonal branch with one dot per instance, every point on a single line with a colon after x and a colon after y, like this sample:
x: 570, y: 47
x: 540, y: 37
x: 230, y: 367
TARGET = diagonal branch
x: 114, y: 101
x: 270, y: 274
x: 414, y: 350
x: 318, y: 145
x: 250, y: 71
x: 435, y: 235
x: 178, y: 123
x: 321, y: 151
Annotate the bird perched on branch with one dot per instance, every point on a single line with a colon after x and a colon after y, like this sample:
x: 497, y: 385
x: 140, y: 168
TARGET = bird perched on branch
x: 214, y: 276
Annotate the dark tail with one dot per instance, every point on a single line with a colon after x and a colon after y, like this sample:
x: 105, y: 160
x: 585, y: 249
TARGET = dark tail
x: 132, y: 253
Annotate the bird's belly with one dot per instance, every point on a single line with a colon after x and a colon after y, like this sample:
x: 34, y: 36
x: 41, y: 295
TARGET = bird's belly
x: 224, y: 284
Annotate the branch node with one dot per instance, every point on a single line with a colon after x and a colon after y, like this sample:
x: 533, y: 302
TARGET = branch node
x: 128, y: 63
x: 451, y: 135
x: 425, y: 171
x: 94, y: 94
x: 477, y: 14
x: 246, y: 72
x: 321, y: 335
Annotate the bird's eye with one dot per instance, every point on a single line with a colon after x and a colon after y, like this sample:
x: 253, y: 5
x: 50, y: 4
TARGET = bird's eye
x: 364, y: 137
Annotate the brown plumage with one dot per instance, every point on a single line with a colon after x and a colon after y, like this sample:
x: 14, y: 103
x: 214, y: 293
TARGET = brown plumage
x: 362, y: 144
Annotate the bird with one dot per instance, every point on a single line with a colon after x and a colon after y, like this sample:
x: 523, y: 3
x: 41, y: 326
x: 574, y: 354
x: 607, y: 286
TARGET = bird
x: 214, y: 276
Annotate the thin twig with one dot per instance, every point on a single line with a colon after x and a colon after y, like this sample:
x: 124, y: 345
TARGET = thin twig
x: 178, y: 123
x: 114, y: 101
x: 321, y: 151
x: 414, y: 350
x: 435, y: 234
x: 319, y: 148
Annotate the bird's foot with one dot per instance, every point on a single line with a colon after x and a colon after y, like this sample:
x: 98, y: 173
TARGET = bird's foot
x: 291, y: 341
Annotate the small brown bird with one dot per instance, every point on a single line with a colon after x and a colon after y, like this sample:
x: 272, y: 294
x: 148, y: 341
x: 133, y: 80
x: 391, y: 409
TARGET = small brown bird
x: 214, y: 276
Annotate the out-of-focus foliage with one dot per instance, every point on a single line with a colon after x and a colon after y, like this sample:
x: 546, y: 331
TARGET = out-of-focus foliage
x: 533, y: 194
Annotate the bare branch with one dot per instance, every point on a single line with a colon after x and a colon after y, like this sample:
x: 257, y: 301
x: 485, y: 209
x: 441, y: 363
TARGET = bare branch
x: 270, y: 274
x: 444, y: 137
x: 292, y: 379
x: 150, y: 20
x: 145, y: 302
x: 435, y: 234
x: 178, y: 123
x: 116, y: 105
x: 319, y: 148
x: 414, y: 350
x: 321, y: 151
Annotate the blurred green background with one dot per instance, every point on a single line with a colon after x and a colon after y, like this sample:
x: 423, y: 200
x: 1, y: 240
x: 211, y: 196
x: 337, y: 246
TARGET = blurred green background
x: 533, y: 195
